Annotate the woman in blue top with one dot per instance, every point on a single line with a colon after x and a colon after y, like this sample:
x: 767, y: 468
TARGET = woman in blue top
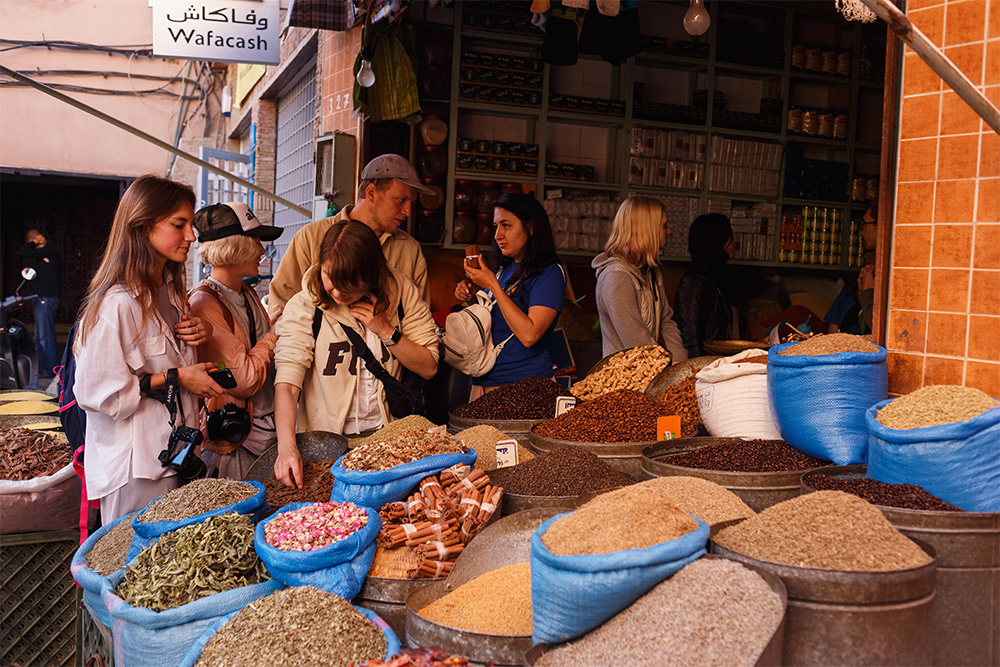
x: 529, y: 287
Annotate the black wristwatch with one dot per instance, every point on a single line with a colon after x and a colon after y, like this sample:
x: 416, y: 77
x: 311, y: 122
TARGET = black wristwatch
x: 393, y: 339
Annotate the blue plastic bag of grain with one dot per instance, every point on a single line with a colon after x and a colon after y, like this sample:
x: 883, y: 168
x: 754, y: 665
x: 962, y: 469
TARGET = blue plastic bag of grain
x: 339, y: 568
x: 573, y: 594
x: 92, y: 583
x: 391, y: 639
x: 819, y: 401
x: 147, y: 638
x: 378, y: 487
x: 146, y: 533
x: 960, y: 462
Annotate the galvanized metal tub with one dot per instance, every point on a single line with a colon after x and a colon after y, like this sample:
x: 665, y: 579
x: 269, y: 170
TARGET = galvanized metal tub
x: 513, y: 503
x: 967, y: 610
x: 854, y: 618
x: 515, y: 428
x: 759, y: 490
x: 313, y: 446
x: 770, y: 656
x: 624, y: 457
x: 387, y: 598
x: 506, y: 542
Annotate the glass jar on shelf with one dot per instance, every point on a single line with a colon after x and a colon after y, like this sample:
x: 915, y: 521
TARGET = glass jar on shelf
x: 488, y: 193
x: 465, y: 195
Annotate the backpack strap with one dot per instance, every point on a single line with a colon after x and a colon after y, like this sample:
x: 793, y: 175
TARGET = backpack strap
x: 317, y: 322
x: 226, y: 313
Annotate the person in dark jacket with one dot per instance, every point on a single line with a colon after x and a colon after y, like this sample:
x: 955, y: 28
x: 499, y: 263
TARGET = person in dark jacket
x: 45, y: 260
x: 703, y: 304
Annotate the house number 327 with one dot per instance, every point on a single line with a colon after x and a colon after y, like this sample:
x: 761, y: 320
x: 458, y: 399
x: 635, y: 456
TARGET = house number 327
x: 343, y: 102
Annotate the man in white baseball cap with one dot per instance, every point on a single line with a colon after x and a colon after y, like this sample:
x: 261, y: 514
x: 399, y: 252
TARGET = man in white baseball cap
x: 388, y: 188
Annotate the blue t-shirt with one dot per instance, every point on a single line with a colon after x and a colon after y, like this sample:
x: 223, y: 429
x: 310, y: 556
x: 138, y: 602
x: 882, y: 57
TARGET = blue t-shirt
x: 516, y: 361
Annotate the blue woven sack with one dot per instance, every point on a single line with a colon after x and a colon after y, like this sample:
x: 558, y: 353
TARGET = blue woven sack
x: 339, y: 568
x: 378, y: 487
x: 960, y: 463
x: 573, y: 594
x: 146, y: 533
x: 819, y: 401
x: 147, y: 638
x: 93, y: 584
x: 391, y: 640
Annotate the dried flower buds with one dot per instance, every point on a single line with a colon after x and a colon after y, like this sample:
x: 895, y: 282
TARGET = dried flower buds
x: 315, y: 526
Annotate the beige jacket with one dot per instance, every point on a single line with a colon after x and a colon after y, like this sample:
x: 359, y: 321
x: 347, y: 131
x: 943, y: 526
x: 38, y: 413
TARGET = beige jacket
x: 402, y: 252
x: 326, y: 368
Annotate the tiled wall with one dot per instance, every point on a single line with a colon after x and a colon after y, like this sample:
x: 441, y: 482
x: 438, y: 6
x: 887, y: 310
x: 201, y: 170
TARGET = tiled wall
x: 944, y: 283
x: 339, y: 49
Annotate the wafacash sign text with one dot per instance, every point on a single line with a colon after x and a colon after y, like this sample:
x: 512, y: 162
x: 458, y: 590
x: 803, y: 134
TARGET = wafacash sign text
x: 238, y: 31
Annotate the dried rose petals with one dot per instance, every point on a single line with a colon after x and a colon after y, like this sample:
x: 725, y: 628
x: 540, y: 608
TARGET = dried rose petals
x: 315, y: 526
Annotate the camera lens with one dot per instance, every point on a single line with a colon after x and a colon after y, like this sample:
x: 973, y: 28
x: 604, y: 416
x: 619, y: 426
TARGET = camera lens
x: 232, y: 430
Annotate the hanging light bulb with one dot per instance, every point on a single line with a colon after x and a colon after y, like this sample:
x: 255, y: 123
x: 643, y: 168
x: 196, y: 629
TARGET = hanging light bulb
x: 366, y: 77
x: 697, y: 20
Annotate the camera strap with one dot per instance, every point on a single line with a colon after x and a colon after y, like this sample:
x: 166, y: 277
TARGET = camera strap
x: 250, y: 317
x: 172, y: 389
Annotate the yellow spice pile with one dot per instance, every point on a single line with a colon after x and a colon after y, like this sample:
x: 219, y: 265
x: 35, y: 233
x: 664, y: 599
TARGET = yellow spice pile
x: 495, y: 603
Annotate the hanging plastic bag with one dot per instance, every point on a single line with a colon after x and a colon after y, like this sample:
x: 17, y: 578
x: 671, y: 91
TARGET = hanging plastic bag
x: 573, y: 594
x: 733, y: 399
x: 391, y: 639
x: 146, y: 533
x: 339, y: 568
x: 378, y: 487
x: 819, y: 401
x: 960, y: 463
x: 146, y: 638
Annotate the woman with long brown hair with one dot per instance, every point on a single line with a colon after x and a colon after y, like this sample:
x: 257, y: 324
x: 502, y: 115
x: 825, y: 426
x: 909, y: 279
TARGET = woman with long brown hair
x: 351, y: 291
x: 135, y: 338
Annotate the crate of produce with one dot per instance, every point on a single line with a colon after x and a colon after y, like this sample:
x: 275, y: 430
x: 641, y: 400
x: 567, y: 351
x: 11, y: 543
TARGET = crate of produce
x: 38, y: 598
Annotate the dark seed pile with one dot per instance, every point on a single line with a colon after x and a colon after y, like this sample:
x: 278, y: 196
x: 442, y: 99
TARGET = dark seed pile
x: 110, y: 552
x: 198, y: 497
x: 317, y: 484
x: 568, y: 471
x: 193, y: 562
x: 746, y: 456
x: 904, y: 496
x: 301, y: 625
x: 530, y: 398
x: 620, y: 416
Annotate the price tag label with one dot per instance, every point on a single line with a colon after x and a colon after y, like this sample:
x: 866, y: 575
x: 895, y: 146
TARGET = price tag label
x: 564, y: 404
x: 506, y: 453
x: 668, y: 428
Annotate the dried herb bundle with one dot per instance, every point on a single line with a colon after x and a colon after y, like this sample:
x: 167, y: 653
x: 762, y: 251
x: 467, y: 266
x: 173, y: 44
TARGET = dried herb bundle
x: 194, y: 562
x: 198, y: 497
x: 301, y: 625
x: 399, y: 449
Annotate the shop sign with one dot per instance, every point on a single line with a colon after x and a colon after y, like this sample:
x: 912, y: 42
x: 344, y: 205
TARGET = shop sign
x: 236, y: 31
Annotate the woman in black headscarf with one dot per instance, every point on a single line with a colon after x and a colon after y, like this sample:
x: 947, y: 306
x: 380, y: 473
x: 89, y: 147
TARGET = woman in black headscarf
x: 703, y: 305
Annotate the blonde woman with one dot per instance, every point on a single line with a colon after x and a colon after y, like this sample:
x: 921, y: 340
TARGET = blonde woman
x: 230, y: 241
x: 135, y: 338
x: 631, y: 300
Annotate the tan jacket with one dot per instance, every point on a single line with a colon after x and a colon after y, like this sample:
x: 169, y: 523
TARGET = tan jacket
x: 402, y: 252
x: 326, y: 368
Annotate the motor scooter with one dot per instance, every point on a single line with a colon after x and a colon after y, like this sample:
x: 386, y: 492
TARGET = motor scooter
x: 18, y: 360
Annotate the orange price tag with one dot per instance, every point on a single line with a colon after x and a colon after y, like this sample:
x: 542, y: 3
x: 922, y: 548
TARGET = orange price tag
x: 668, y: 428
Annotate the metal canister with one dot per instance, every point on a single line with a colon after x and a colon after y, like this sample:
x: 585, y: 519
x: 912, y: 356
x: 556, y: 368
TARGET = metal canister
x: 467, y: 91
x: 482, y: 146
x: 515, y: 148
x: 529, y: 166
x: 484, y: 93
x: 531, y: 150
x: 465, y: 145
x: 485, y: 75
x: 512, y: 165
x: 498, y: 147
x: 501, y: 94
x: 481, y: 163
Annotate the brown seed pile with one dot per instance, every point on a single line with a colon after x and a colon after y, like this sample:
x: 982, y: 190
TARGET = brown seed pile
x: 495, y: 603
x: 403, y: 448
x: 629, y: 369
x: 905, y: 496
x: 26, y: 454
x: 197, y: 497
x: 625, y: 415
x: 301, y: 625
x: 738, y: 455
x: 829, y: 344
x: 713, y: 612
x: 408, y: 423
x: 567, y: 471
x: 530, y: 398
x: 934, y: 406
x: 699, y: 497
x: 635, y: 517
x: 194, y: 562
x: 829, y: 530
x: 681, y: 399
x: 317, y: 484
x: 109, y: 553
x: 484, y: 439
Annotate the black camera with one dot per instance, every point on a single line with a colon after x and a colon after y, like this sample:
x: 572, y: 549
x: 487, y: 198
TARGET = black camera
x: 180, y: 454
x: 230, y: 422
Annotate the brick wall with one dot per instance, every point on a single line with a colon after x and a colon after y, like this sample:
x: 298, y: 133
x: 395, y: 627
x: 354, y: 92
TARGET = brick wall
x: 944, y: 285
